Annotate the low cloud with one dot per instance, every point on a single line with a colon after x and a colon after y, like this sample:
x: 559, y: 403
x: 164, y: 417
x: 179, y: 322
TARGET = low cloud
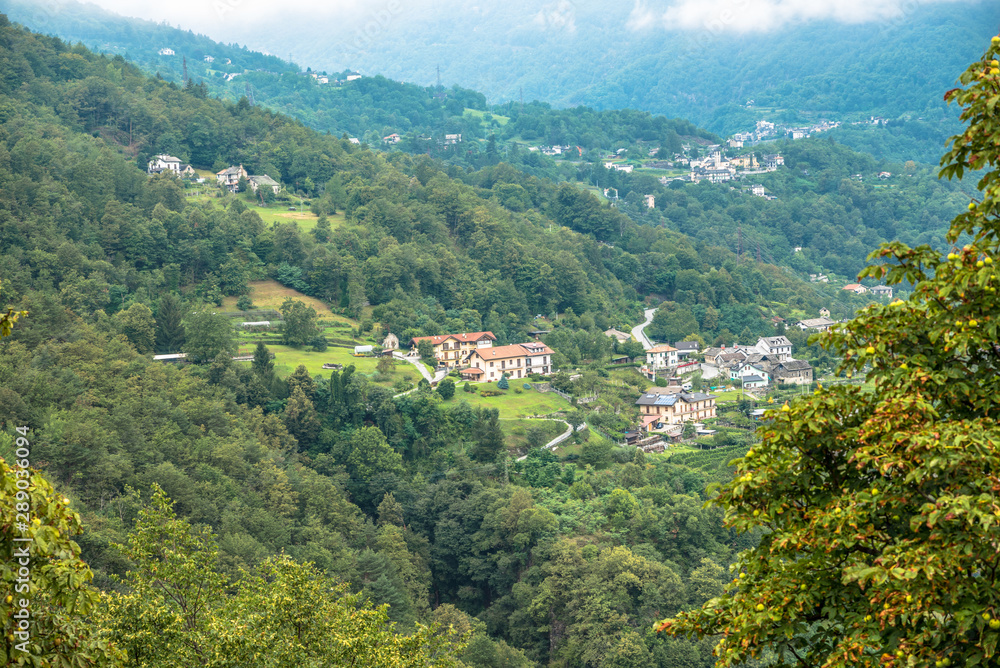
x: 743, y: 16
x: 560, y: 15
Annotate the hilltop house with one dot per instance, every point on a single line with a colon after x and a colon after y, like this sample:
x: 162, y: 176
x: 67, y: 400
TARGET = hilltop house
x: 517, y: 361
x: 856, y: 288
x: 452, y: 349
x: 164, y: 163
x: 230, y: 177
x: 673, y: 409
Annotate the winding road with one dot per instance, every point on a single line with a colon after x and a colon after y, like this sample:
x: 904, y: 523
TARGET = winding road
x: 558, y: 439
x: 639, y: 330
x: 422, y: 368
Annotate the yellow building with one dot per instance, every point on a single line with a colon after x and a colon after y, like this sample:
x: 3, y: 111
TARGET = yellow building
x: 678, y: 408
x: 452, y: 349
x: 517, y: 361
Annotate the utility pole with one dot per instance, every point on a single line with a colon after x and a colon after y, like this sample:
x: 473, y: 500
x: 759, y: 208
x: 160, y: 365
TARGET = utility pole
x: 185, y: 60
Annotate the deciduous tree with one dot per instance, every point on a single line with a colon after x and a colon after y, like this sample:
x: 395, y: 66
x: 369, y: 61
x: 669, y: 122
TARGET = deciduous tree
x: 881, y: 505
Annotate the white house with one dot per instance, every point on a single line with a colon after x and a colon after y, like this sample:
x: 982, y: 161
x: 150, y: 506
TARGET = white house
x: 164, y: 163
x: 661, y: 356
x: 209, y: 59
x: 516, y: 361
x: 166, y: 52
x: 738, y: 371
x: 650, y: 201
x: 776, y: 346
x: 392, y: 139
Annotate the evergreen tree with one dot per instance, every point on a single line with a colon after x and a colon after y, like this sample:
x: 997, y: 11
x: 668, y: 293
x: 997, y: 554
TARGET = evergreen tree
x: 300, y: 418
x: 262, y: 364
x: 300, y: 378
x: 322, y: 231
x: 503, y: 384
x: 488, y: 439
x: 170, y: 333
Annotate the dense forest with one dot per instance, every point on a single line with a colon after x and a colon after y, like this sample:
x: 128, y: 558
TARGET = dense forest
x: 408, y: 501
x: 828, y: 202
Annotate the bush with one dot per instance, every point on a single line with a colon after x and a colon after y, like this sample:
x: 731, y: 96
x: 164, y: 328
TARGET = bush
x: 244, y: 303
x: 446, y: 388
x: 319, y: 344
x: 527, y: 386
x: 518, y: 390
x: 490, y: 393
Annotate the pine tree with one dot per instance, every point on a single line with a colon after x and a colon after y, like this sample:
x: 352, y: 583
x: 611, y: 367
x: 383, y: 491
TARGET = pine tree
x: 169, y: 325
x: 262, y: 364
x: 503, y: 384
x: 488, y: 436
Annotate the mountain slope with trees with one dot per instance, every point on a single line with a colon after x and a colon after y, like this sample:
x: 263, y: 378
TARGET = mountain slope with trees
x: 403, y: 500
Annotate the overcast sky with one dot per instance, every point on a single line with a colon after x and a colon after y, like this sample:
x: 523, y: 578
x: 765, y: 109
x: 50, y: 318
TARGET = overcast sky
x: 227, y: 19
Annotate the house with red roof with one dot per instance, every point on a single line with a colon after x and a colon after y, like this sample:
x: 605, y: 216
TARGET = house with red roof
x: 517, y: 361
x: 453, y: 349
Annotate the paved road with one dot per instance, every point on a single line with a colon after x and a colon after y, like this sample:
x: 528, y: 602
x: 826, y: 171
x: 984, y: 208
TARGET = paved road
x: 558, y: 439
x: 639, y: 330
x: 422, y: 368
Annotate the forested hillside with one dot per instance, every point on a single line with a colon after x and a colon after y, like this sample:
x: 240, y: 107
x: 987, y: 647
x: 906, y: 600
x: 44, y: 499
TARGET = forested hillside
x: 857, y: 211
x: 635, y: 56
x: 410, y: 501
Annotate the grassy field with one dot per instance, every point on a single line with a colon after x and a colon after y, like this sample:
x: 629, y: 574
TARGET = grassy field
x: 277, y: 212
x: 501, y: 120
x: 287, y: 359
x: 511, y: 404
x: 271, y: 294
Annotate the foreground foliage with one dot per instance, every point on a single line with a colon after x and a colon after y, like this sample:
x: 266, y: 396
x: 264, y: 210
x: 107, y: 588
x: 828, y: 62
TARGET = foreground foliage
x: 882, y: 507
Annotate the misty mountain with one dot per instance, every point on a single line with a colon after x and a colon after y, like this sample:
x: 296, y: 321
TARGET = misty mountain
x: 587, y: 53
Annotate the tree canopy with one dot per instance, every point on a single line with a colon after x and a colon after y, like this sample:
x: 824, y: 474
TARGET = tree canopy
x: 881, y: 502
